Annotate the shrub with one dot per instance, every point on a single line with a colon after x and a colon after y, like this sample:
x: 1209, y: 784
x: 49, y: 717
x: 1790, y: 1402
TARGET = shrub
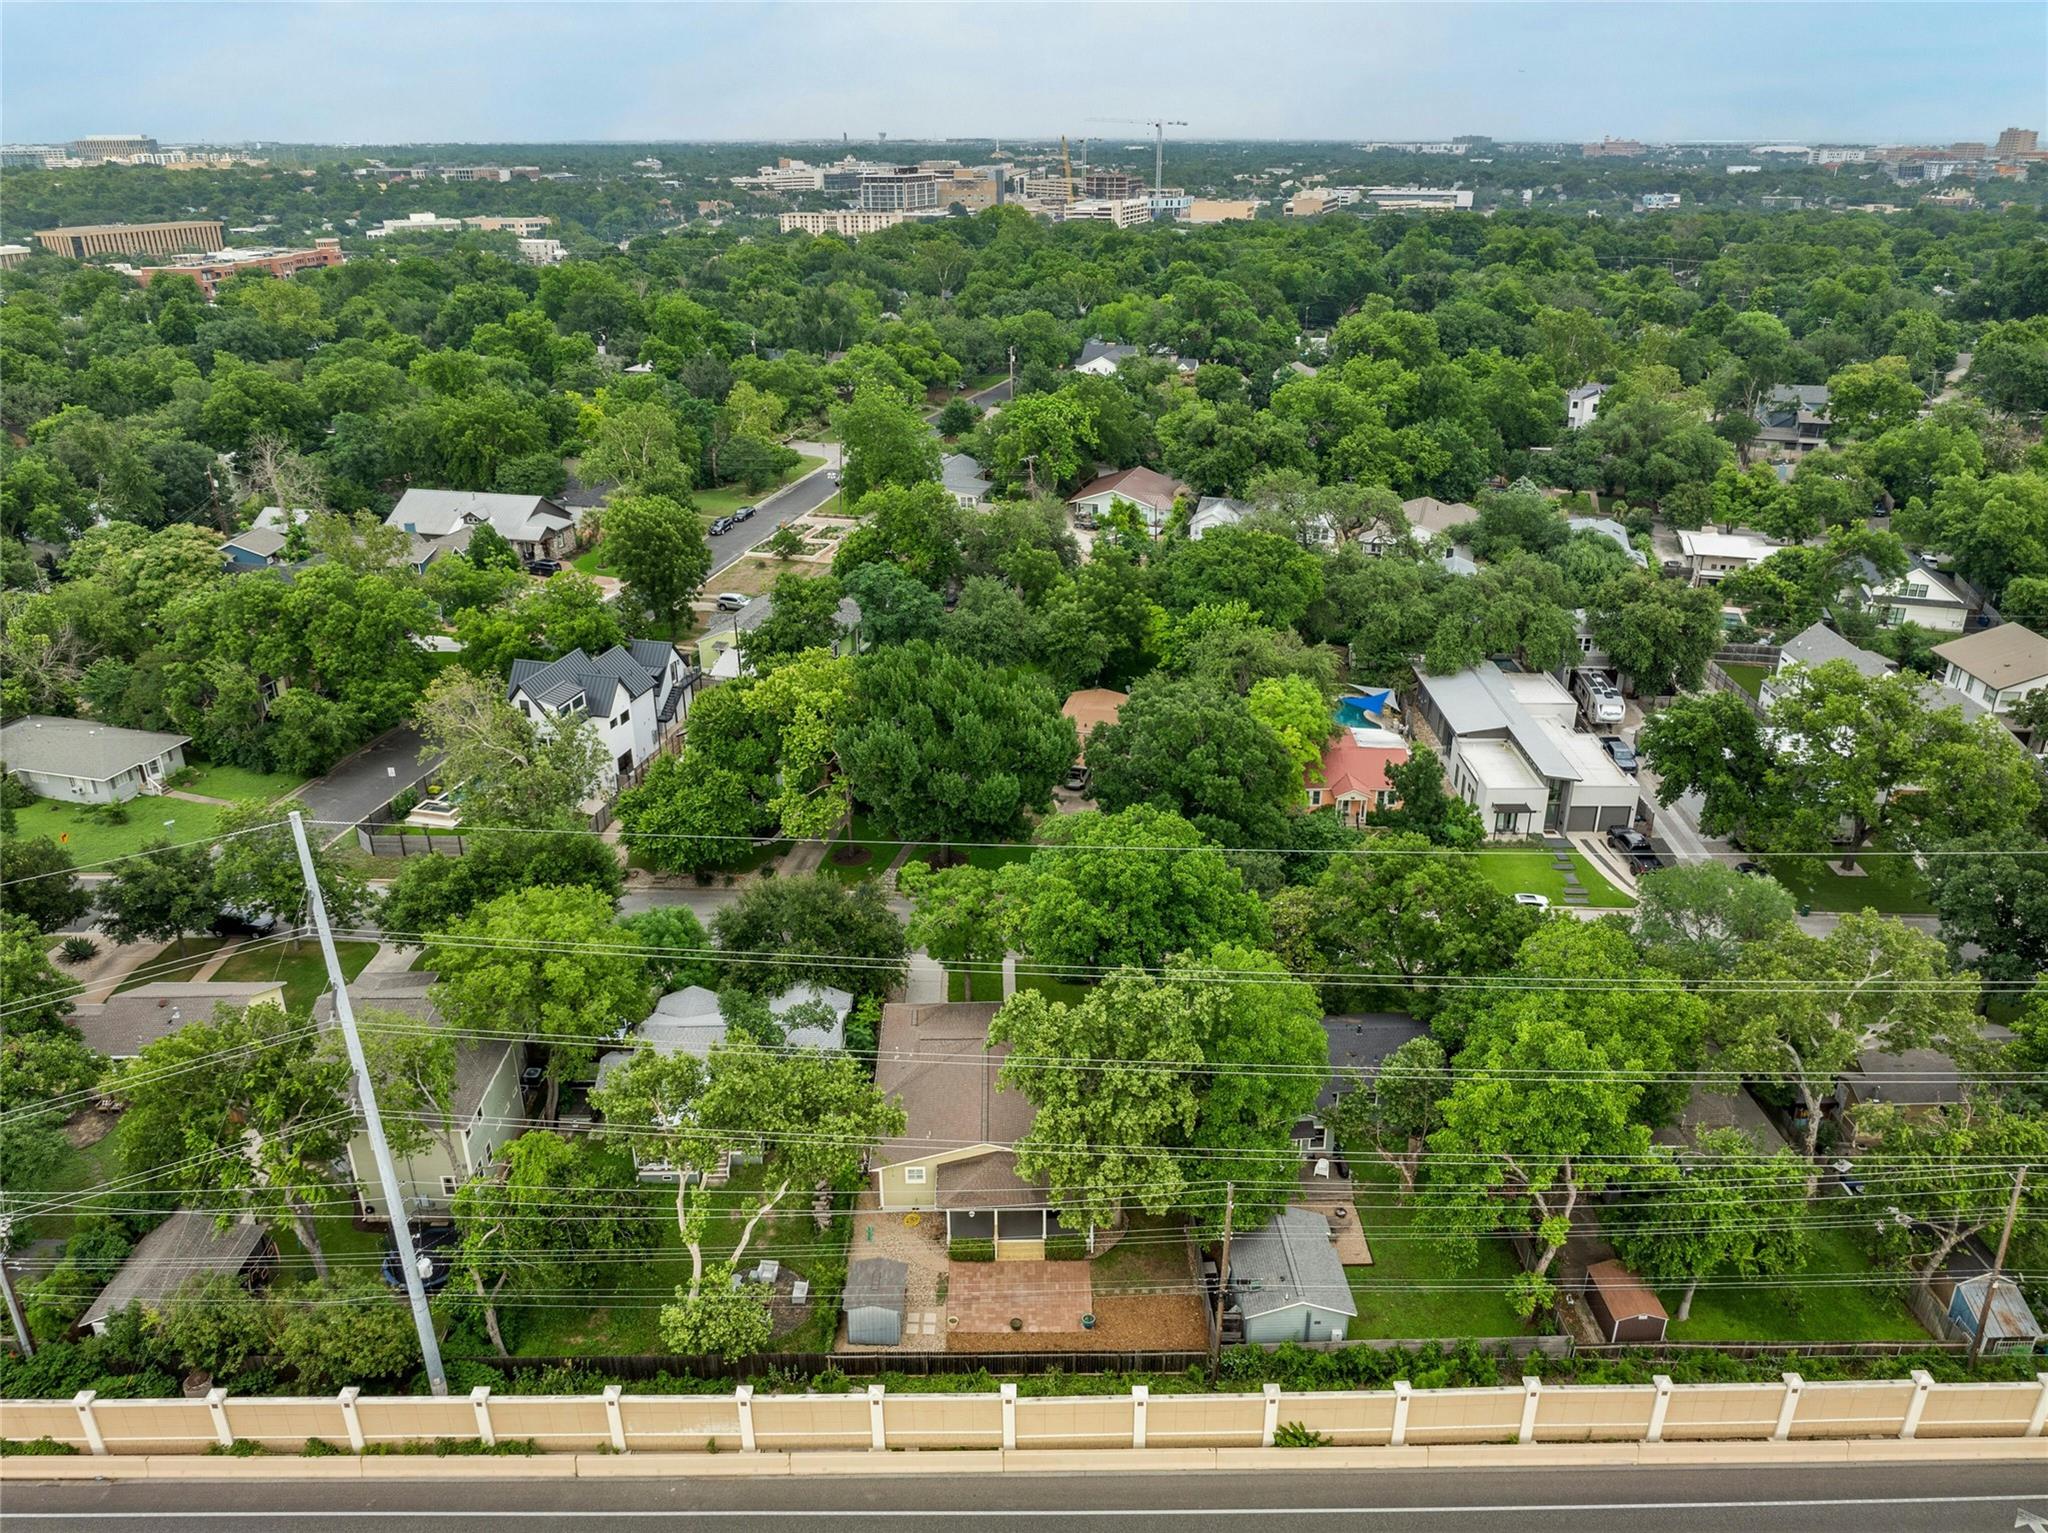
x: 41, y: 1447
x: 1292, y: 1434
x: 972, y: 1250
x: 78, y: 950
x: 318, y: 1447
x: 241, y: 1447
x: 1066, y: 1248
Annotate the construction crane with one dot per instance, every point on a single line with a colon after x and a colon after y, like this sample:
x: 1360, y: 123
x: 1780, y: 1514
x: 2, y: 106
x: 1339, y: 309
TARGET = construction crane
x: 1158, y: 125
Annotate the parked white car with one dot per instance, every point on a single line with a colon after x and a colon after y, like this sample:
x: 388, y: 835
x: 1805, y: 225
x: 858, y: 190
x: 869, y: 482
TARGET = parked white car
x: 1534, y: 901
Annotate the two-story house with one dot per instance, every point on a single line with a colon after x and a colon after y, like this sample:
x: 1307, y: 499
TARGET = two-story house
x: 635, y: 694
x: 1995, y: 666
x: 1792, y: 420
x: 536, y: 527
x: 1711, y: 557
x: 1922, y: 596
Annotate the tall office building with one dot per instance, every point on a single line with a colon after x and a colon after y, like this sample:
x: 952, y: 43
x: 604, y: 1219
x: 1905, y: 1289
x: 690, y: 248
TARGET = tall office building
x: 2017, y: 141
x: 81, y: 240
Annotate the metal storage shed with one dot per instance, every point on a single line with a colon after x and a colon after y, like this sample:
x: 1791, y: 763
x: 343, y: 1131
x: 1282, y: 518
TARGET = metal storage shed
x: 1287, y: 1283
x: 875, y: 1291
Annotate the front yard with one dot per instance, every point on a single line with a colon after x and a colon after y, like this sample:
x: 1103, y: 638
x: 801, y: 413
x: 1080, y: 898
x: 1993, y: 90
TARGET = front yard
x: 234, y: 783
x: 1530, y: 872
x: 1891, y: 885
x: 304, y: 972
x: 90, y: 838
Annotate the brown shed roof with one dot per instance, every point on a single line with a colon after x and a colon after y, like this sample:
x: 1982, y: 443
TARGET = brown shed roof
x: 1624, y: 1294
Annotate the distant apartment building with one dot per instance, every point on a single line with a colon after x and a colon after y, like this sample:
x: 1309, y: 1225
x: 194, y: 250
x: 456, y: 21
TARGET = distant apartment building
x: 901, y: 189
x: 81, y: 240
x: 1170, y: 202
x: 847, y: 223
x: 110, y: 146
x: 785, y: 176
x: 210, y: 271
x: 1658, y: 202
x: 30, y: 156
x: 415, y: 223
x: 1308, y: 204
x: 541, y: 252
x: 1220, y: 210
x: 1842, y: 156
x: 1418, y: 199
x: 530, y: 226
x: 1125, y: 213
x: 971, y: 190
x: 1614, y: 149
x: 2014, y: 142
x: 12, y: 255
x: 1426, y: 146
x: 474, y: 173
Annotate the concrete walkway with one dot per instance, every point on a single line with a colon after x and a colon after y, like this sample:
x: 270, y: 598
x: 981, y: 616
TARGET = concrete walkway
x: 207, y: 970
x: 925, y: 984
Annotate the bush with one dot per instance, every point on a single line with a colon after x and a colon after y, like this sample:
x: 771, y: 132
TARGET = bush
x: 972, y: 1250
x: 1066, y: 1248
x: 1292, y: 1434
x: 241, y: 1447
x: 404, y: 804
x: 105, y: 814
x: 41, y: 1447
x: 457, y: 1447
x: 318, y: 1447
x: 78, y: 950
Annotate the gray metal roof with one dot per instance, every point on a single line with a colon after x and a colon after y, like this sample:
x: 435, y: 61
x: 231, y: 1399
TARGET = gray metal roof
x: 1289, y: 1261
x: 80, y: 747
x: 876, y: 1282
x: 963, y: 475
x: 186, y: 1245
x: 1479, y: 701
x: 598, y: 677
x: 436, y: 513
x: 1610, y: 529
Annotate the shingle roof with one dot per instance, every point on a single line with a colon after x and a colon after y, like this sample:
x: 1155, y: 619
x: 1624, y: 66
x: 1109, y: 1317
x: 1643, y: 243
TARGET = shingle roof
x: 1146, y: 487
x: 1429, y: 516
x: 477, y: 1062
x: 1097, y: 349
x: 936, y: 1061
x: 598, y: 677
x: 2001, y: 657
x: 79, y: 747
x: 1289, y: 1261
x: 1360, y: 1043
x: 876, y: 1282
x: 436, y: 513
x: 186, y: 1245
x: 962, y: 475
x: 1819, y: 644
x: 121, y: 1026
x: 263, y: 542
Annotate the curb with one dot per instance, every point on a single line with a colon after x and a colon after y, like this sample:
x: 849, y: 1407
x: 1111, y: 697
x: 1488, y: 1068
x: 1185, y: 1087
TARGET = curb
x: 911, y: 1462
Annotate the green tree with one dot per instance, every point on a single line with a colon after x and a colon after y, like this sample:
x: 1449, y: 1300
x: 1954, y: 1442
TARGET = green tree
x: 1395, y: 1109
x: 811, y: 929
x: 1279, y: 578
x: 1537, y: 1120
x: 678, y: 952
x: 916, y: 526
x: 513, y: 772
x: 884, y: 442
x: 1992, y: 899
x: 803, y: 614
x: 256, y: 868
x: 1295, y: 712
x: 247, y: 1111
x: 211, y: 1323
x: 1660, y: 633
x: 1696, y: 918
x: 347, y: 1330
x: 548, y: 964
x: 1949, y: 1168
x: 657, y: 546
x: 1198, y: 753
x: 942, y: 747
x: 722, y: 1317
x: 895, y: 608
x: 1727, y: 1210
x: 36, y: 881
x: 1423, y: 805
x: 1867, y: 399
x: 159, y: 895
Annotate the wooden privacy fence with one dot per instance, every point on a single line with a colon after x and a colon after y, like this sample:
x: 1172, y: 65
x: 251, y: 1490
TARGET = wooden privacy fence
x: 1783, y: 1410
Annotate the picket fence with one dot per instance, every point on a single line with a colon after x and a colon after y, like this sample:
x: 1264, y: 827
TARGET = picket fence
x: 1784, y: 1410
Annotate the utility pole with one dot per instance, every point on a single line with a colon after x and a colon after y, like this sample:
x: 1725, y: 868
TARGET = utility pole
x: 1223, y: 1268
x: 2012, y: 1212
x: 28, y: 1347
x: 1031, y: 472
x: 373, y: 1121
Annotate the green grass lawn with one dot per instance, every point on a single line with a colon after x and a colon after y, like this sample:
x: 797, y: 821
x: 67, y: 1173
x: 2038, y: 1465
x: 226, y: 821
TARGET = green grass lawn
x: 1530, y: 872
x: 1748, y: 677
x: 863, y: 832
x: 1397, y: 1297
x: 197, y: 953
x: 349, y: 1251
x: 93, y: 840
x: 77, y: 1171
x: 304, y: 972
x: 1871, y: 1309
x: 981, y: 985
x: 1152, y: 1254
x: 623, y: 1312
x: 1053, y: 989
x: 233, y: 782
x: 1891, y: 885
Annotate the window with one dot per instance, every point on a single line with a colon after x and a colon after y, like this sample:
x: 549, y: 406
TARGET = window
x: 447, y: 1186
x: 914, y: 1176
x: 1503, y: 820
x: 1315, y: 798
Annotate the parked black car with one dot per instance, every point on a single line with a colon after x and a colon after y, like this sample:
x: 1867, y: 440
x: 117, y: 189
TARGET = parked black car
x: 1619, y: 751
x: 1753, y: 869
x: 723, y: 524
x: 433, y: 1241
x: 744, y: 512
x: 232, y: 922
x: 1640, y: 863
x: 544, y: 567
x: 1626, y: 838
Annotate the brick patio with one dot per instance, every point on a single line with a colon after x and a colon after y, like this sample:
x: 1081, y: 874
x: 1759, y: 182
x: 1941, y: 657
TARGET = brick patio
x: 1046, y: 1296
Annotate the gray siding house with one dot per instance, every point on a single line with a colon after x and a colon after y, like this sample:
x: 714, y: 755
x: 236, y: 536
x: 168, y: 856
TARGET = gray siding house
x: 82, y: 762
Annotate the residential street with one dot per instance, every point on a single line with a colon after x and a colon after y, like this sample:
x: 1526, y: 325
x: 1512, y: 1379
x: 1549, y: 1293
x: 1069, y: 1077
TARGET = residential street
x: 782, y: 506
x: 366, y: 780
x: 1943, y: 1498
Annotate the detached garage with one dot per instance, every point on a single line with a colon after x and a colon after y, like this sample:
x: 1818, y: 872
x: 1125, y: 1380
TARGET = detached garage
x: 875, y: 1291
x: 1626, y: 1312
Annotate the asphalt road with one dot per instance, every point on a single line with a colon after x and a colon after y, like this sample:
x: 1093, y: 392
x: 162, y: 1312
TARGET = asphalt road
x: 785, y: 505
x: 365, y: 781
x: 1930, y: 1498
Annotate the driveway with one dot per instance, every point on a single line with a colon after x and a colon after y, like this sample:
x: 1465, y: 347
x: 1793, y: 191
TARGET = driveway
x: 785, y: 505
x: 366, y: 781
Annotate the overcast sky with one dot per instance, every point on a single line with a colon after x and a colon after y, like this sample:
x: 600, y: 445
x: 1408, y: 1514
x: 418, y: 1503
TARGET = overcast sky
x: 485, y: 72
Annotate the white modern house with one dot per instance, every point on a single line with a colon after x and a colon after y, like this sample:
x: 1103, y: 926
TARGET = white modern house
x: 1582, y: 404
x: 965, y: 480
x: 1922, y: 596
x: 81, y: 761
x: 1995, y: 666
x: 536, y: 527
x: 1511, y: 752
x: 634, y: 694
x: 1714, y: 556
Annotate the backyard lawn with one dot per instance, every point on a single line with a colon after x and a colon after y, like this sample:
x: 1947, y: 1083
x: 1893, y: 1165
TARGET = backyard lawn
x: 197, y: 953
x: 233, y: 782
x: 1530, y: 872
x: 77, y: 1171
x: 1891, y: 885
x: 862, y: 835
x: 1748, y: 677
x: 350, y: 1252
x: 304, y: 972
x: 623, y: 1312
x: 1151, y: 1256
x: 91, y: 840
x: 1866, y: 1308
x: 1401, y: 1297
x: 979, y: 985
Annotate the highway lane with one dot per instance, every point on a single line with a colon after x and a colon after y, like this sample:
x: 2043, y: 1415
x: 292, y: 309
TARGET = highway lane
x: 1927, y: 1498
